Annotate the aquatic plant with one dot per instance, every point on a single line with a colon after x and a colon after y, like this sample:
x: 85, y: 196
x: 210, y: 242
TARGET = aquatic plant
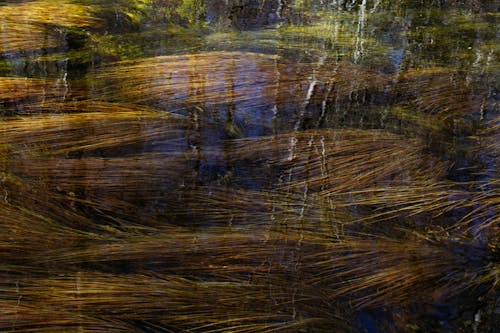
x: 97, y: 301
x: 26, y: 37
x: 342, y: 160
x: 221, y: 78
x: 131, y: 187
x: 242, y: 274
x: 444, y: 92
x: 47, y: 12
x: 26, y: 95
x: 91, y: 126
x: 381, y: 271
x: 52, y: 210
x: 328, y: 178
x: 433, y: 199
x: 489, y: 138
x: 269, y: 210
x: 25, y: 25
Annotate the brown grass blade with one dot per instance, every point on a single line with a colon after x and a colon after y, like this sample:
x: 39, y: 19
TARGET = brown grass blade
x: 93, y: 299
x: 24, y: 25
x: 343, y: 160
x: 380, y: 271
x: 452, y: 205
x: 96, y: 126
x: 21, y: 95
x: 220, y: 78
x: 61, y: 13
x: 445, y: 92
x: 36, y: 202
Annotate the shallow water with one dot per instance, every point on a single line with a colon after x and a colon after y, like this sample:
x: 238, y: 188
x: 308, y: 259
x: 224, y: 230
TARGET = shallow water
x: 249, y: 166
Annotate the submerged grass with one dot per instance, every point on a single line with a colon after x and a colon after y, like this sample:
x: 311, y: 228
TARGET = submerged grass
x: 221, y: 78
x: 107, y: 223
x: 271, y: 210
x: 230, y: 280
x: 382, y: 271
x: 445, y: 92
x: 156, y: 302
x: 91, y: 126
x: 331, y: 161
x: 464, y: 206
x: 62, y: 13
x: 276, y: 266
x: 26, y: 37
x: 22, y: 95
x: 77, y: 155
x: 127, y: 187
x: 25, y: 25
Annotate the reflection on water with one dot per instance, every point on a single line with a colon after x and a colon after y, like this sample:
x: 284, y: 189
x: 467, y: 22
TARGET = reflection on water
x: 249, y: 166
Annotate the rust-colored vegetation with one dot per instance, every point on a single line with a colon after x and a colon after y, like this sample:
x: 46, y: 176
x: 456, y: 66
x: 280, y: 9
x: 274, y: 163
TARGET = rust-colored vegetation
x: 416, y: 267
x: 25, y: 25
x: 332, y: 161
x: 116, y: 242
x: 86, y: 127
x: 22, y: 95
x: 446, y: 92
x: 217, y: 78
x: 133, y: 200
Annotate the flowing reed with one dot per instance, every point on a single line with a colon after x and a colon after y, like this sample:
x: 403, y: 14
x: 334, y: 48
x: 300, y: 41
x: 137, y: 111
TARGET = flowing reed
x: 13, y: 89
x: 444, y: 92
x: 112, y: 219
x: 91, y: 127
x: 381, y: 271
x: 30, y: 95
x: 123, y: 186
x: 24, y: 26
x: 88, y: 300
x: 73, y: 155
x: 490, y: 139
x: 432, y: 200
x: 369, y: 270
x: 331, y: 161
x: 220, y: 78
x: 26, y: 37
x: 33, y: 201
x: 241, y: 278
x: 483, y: 219
x: 61, y: 13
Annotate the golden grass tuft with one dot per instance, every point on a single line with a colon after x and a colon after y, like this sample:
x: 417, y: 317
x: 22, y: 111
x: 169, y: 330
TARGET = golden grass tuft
x: 342, y: 160
x: 119, y: 185
x: 444, y: 92
x: 379, y: 271
x: 89, y: 299
x: 429, y: 199
x: 490, y: 139
x: 33, y: 201
x: 78, y: 155
x: 484, y: 215
x: 367, y: 270
x: 219, y: 78
x: 61, y: 13
x: 26, y: 95
x: 226, y: 278
x: 26, y: 37
x: 92, y: 126
x: 24, y: 26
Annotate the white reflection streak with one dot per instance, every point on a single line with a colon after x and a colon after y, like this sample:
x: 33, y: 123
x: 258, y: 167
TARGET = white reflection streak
x: 360, y: 33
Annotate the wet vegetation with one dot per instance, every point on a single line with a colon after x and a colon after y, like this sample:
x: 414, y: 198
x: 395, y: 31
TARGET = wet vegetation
x: 249, y: 166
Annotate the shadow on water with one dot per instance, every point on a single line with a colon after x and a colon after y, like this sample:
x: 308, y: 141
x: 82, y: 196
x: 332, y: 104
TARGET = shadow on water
x: 249, y: 166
